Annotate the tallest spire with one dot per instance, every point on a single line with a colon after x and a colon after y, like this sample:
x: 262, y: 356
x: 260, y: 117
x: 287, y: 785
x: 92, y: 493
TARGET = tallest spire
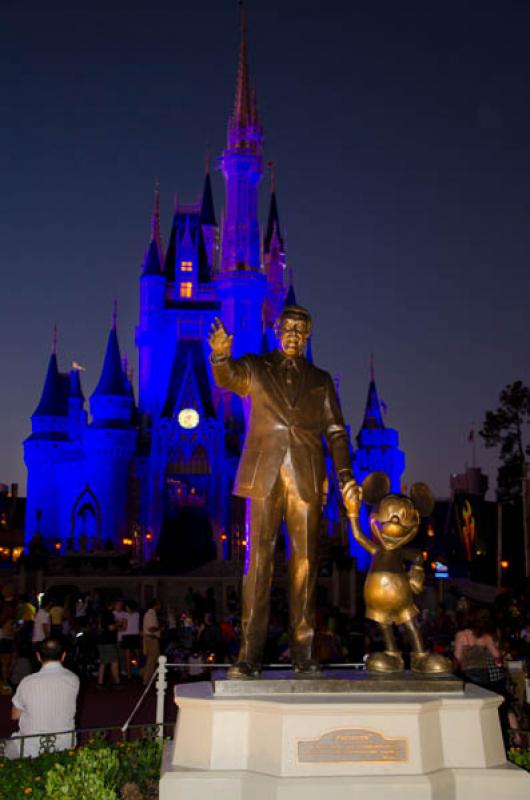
x: 242, y: 115
x: 244, y: 126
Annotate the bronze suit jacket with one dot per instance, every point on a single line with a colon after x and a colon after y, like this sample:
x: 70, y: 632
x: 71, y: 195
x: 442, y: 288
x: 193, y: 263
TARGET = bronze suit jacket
x: 276, y: 426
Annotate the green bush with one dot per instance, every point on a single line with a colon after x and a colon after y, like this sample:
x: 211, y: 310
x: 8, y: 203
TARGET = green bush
x: 97, y: 771
x: 520, y: 758
x: 92, y: 776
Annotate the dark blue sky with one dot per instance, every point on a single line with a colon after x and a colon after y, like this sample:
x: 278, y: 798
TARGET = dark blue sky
x: 401, y: 134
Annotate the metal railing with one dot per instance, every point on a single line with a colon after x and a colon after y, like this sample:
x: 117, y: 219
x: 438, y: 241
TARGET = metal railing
x: 20, y: 746
x: 195, y: 669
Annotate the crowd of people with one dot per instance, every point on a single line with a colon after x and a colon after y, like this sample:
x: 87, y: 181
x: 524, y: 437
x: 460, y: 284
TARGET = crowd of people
x: 110, y: 640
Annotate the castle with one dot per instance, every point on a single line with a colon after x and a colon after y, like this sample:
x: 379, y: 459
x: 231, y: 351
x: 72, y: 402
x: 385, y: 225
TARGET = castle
x: 155, y: 474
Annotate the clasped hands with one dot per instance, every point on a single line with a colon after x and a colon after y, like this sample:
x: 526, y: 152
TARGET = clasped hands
x: 352, y: 497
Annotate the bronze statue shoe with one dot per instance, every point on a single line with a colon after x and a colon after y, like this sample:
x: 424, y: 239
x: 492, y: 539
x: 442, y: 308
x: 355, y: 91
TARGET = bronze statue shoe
x: 308, y: 667
x: 385, y: 662
x: 242, y: 670
x: 430, y: 664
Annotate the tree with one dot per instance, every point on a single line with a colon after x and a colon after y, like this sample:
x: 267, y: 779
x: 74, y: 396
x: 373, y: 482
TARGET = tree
x: 506, y: 428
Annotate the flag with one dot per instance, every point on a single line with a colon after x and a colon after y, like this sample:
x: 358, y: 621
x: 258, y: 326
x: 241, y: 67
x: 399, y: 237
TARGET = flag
x: 471, y: 435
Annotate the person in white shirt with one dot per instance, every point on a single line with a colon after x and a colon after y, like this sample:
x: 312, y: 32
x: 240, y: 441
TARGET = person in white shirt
x: 131, y: 641
x: 151, y: 634
x: 45, y: 702
x: 42, y: 623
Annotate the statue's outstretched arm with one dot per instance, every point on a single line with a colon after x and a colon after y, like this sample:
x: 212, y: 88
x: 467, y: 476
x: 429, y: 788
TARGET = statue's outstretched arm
x: 351, y: 495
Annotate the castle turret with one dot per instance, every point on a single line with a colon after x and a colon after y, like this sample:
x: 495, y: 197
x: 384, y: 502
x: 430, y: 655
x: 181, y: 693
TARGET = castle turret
x: 111, y: 399
x: 110, y: 442
x: 241, y: 280
x: 273, y: 258
x: 152, y: 296
x: 208, y: 223
x: 377, y: 451
x: 44, y: 449
x: 76, y: 404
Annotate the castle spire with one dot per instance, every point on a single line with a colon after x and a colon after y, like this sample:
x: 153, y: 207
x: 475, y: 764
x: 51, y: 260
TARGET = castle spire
x: 242, y: 114
x: 290, y: 297
x: 155, y: 222
x: 111, y: 381
x: 373, y: 417
x: 54, y: 400
x: 207, y: 214
x: 273, y: 221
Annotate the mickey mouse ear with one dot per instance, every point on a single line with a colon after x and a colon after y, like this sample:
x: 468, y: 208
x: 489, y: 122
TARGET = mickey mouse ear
x: 374, y: 487
x: 423, y: 498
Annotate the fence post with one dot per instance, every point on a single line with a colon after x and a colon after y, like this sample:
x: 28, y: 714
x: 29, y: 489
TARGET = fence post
x: 161, y: 685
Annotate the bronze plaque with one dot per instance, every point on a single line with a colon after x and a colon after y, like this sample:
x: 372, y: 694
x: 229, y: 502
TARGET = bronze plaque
x: 355, y: 745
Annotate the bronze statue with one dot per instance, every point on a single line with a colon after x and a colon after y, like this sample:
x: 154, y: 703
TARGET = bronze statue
x: 282, y: 472
x: 388, y: 589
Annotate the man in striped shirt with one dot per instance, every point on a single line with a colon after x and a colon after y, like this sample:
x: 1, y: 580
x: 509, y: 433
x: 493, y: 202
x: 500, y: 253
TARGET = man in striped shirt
x: 45, y: 702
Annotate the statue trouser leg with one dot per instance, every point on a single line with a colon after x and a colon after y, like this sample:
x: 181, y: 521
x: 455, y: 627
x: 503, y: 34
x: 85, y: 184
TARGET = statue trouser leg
x: 303, y: 525
x: 420, y: 659
x: 265, y: 518
x: 389, y: 638
x: 415, y: 638
x: 390, y: 660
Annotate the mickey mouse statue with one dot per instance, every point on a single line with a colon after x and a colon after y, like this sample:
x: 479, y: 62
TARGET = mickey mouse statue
x: 388, y: 589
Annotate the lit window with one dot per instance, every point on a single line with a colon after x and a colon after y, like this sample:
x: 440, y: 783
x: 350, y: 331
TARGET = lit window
x: 185, y: 289
x: 186, y: 266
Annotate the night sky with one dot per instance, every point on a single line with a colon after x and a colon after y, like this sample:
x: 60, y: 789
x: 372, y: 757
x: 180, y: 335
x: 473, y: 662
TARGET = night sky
x: 401, y: 135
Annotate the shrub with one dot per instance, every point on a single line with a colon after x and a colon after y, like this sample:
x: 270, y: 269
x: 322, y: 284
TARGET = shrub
x: 92, y: 776
x: 521, y: 758
x: 98, y: 771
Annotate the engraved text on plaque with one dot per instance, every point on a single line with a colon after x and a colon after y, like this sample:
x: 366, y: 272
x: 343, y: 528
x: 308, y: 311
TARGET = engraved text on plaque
x: 353, y: 744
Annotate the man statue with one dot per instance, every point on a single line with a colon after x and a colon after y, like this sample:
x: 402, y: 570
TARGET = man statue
x: 282, y: 472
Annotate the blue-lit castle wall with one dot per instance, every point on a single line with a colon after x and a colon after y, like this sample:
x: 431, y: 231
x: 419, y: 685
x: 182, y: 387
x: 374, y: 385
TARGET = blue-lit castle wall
x: 156, y: 471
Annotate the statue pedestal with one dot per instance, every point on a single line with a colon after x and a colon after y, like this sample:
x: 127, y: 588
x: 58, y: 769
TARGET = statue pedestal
x: 419, y: 742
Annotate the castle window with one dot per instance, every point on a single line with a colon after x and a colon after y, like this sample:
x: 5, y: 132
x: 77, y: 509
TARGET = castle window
x: 185, y: 289
x: 186, y: 266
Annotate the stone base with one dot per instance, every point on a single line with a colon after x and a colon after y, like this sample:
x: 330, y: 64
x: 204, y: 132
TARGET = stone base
x: 449, y: 784
x: 327, y: 682
x: 444, y: 746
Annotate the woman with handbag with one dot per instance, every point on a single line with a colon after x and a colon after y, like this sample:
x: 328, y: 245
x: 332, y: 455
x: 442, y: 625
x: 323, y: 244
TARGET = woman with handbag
x: 479, y: 659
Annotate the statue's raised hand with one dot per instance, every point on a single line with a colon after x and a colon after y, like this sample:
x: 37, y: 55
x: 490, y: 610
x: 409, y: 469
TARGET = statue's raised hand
x: 219, y: 340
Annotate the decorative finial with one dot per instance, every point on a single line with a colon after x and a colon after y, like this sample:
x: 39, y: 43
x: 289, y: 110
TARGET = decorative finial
x: 54, y: 339
x: 207, y: 158
x: 114, y: 313
x: 372, y: 370
x: 272, y: 167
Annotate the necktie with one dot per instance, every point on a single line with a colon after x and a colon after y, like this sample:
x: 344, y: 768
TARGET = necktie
x: 291, y: 375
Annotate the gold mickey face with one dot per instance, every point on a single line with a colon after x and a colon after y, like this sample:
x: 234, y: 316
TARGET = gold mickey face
x: 395, y: 522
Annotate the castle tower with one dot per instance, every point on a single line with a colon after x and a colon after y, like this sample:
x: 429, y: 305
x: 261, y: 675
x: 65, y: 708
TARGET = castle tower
x: 241, y: 280
x: 110, y: 443
x: 44, y: 451
x: 273, y: 259
x: 152, y: 294
x: 377, y: 451
x: 208, y: 224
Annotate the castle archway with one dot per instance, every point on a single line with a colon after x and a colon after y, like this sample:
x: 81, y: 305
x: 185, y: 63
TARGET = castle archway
x: 86, y: 521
